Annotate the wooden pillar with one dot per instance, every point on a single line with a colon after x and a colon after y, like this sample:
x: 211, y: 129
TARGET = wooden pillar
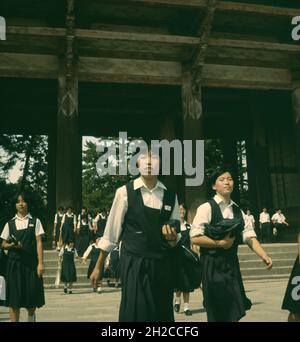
x: 296, y: 115
x: 258, y: 163
x: 192, y: 130
x: 68, y: 167
x: 51, y: 188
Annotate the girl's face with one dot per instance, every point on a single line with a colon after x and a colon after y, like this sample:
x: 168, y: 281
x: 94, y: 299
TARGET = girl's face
x: 21, y: 206
x: 224, y: 184
x: 148, y: 164
x: 182, y: 212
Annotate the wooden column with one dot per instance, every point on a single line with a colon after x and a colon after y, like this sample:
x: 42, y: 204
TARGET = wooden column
x: 192, y: 105
x: 68, y: 167
x: 296, y: 112
x: 258, y: 162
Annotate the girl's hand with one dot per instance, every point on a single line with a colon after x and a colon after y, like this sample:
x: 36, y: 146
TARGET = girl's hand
x: 227, y: 242
x: 40, y: 270
x: 169, y: 233
x: 268, y: 261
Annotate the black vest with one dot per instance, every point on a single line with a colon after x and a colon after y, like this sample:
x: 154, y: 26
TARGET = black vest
x: 142, y: 228
x: 28, y: 253
x: 216, y: 217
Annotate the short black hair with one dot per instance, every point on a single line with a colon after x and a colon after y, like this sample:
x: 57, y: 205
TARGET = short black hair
x: 60, y: 208
x: 218, y: 172
x: 26, y: 197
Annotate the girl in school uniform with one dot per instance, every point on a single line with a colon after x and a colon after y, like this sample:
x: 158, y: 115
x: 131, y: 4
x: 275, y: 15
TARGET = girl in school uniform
x: 83, y: 229
x: 291, y: 301
x: 68, y: 226
x: 186, y: 281
x: 56, y: 230
x: 94, y: 251
x: 24, y: 283
x: 68, y: 269
x: 223, y: 290
x: 140, y: 216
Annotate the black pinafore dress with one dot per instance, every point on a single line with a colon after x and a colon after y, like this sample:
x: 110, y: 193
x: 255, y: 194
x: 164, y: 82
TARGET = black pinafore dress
x: 145, y: 262
x: 223, y: 290
x: 24, y: 289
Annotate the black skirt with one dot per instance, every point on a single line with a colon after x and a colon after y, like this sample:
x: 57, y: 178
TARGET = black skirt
x: 223, y: 289
x: 68, y: 272
x: 24, y: 289
x: 187, y: 273
x: 82, y: 243
x: 147, y: 292
x: 290, y: 303
x: 114, y: 265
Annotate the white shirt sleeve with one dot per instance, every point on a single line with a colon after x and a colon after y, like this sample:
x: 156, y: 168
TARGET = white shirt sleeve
x: 5, y: 233
x: 203, y: 216
x: 74, y: 219
x: 87, y: 252
x: 63, y: 219
x: 55, y: 219
x: 97, y: 218
x: 248, y: 231
x: 61, y: 252
x: 113, y: 228
x: 39, y: 230
x: 78, y: 225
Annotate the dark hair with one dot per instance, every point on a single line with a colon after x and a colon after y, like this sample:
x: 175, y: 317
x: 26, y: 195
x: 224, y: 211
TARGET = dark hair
x: 26, y: 197
x: 217, y: 173
x: 185, y: 208
x: 69, y: 207
x: 60, y: 208
x: 85, y: 208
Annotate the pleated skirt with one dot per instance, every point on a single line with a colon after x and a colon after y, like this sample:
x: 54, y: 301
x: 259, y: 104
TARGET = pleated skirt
x: 24, y: 289
x: 147, y: 291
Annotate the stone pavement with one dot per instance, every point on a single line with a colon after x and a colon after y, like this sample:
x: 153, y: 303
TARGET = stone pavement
x: 85, y: 306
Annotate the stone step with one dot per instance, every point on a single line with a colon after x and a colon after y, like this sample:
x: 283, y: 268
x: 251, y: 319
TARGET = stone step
x: 51, y: 271
x: 50, y: 279
x: 269, y: 278
x: 272, y: 248
x: 274, y: 255
x: 263, y: 271
x: 246, y: 264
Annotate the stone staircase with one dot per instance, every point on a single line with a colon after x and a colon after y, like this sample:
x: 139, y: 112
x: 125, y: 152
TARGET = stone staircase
x: 51, y: 264
x: 282, y: 254
x: 252, y: 268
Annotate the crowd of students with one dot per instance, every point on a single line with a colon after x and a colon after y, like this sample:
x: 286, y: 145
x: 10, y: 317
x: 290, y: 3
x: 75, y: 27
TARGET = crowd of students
x: 159, y: 252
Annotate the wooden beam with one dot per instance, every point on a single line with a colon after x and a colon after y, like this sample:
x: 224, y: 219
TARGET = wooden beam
x: 257, y: 9
x: 224, y: 6
x: 248, y: 44
x: 128, y: 71
x: 28, y: 65
x: 230, y: 76
x: 136, y: 37
x: 36, y: 31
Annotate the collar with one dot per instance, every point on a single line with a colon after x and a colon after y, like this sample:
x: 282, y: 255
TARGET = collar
x: 138, y: 183
x: 219, y: 200
x: 27, y: 217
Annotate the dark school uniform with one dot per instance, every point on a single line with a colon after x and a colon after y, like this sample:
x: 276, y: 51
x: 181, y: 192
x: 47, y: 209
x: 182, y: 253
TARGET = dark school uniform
x: 291, y: 300
x: 223, y: 290
x: 83, y: 237
x: 114, y: 264
x: 24, y: 289
x: 147, y: 289
x: 94, y: 258
x: 68, y: 269
x: 188, y: 278
x: 57, y: 221
x: 68, y: 229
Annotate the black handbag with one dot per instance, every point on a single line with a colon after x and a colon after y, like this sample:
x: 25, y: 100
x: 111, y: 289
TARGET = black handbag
x: 190, y: 255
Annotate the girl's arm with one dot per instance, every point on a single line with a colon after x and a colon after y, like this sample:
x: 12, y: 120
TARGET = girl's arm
x: 205, y: 241
x: 39, y: 248
x: 257, y: 248
x: 7, y: 245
